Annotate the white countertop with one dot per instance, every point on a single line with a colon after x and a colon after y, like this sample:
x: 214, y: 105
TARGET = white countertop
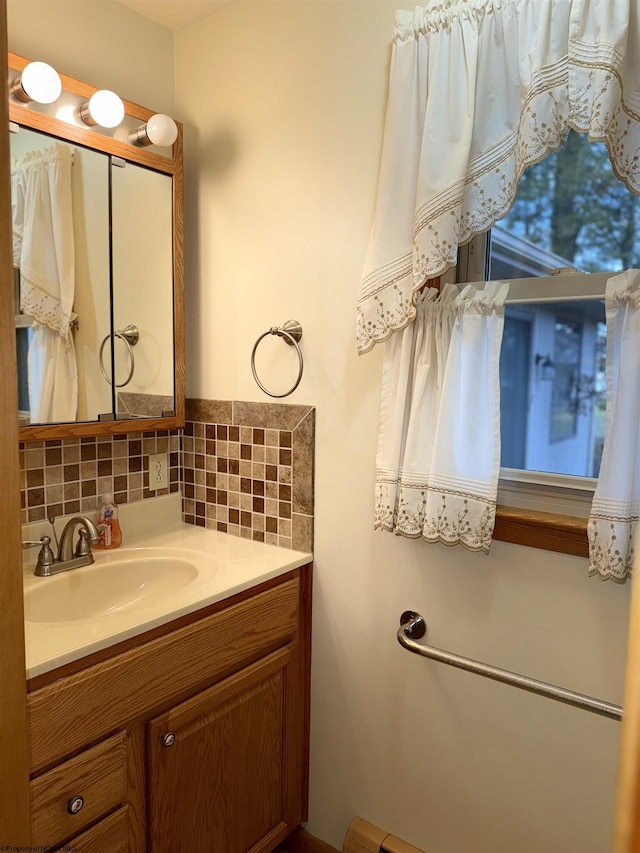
x: 226, y: 565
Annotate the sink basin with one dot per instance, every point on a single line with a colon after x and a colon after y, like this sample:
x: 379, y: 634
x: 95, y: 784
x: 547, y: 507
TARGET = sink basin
x: 112, y: 585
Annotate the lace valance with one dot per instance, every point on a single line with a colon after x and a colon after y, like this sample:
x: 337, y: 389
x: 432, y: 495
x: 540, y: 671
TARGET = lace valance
x: 479, y: 90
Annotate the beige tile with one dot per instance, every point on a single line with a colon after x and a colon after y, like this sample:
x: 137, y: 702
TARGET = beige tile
x: 71, y: 452
x: 35, y: 458
x: 149, y: 446
x: 303, y: 459
x: 54, y: 494
x: 284, y: 527
x: 268, y: 415
x: 284, y: 474
x: 209, y: 411
x: 271, y: 507
x: 53, y: 474
x: 88, y: 470
x: 271, y: 437
x: 302, y: 532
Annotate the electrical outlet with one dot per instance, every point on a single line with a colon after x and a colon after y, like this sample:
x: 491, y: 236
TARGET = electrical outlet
x: 158, y: 477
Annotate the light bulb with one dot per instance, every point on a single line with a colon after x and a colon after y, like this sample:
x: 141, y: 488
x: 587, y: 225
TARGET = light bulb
x: 159, y: 130
x: 38, y: 82
x: 104, y: 108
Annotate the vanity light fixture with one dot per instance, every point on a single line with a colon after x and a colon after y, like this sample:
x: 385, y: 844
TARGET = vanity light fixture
x: 159, y: 130
x: 38, y: 82
x: 104, y: 108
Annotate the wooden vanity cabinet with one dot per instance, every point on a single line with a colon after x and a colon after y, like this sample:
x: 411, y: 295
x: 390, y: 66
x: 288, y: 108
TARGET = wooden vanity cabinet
x: 190, y: 739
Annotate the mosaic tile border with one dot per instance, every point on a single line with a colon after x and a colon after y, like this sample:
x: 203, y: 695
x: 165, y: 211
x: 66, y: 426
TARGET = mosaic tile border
x: 69, y: 475
x: 248, y: 468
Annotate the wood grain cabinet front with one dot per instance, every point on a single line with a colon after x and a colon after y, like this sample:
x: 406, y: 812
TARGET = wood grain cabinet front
x: 78, y: 792
x: 219, y: 764
x: 210, y: 750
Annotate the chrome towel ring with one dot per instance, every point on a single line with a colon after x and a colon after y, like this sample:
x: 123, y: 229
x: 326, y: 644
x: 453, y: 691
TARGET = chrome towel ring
x: 291, y: 331
x: 130, y: 335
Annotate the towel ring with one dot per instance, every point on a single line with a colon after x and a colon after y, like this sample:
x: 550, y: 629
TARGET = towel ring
x: 130, y: 335
x: 291, y: 331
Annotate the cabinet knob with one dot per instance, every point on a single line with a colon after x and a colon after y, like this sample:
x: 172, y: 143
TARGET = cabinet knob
x: 168, y: 740
x: 75, y: 804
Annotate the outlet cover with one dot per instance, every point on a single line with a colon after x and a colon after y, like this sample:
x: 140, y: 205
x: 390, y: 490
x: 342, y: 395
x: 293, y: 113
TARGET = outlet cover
x: 158, y: 476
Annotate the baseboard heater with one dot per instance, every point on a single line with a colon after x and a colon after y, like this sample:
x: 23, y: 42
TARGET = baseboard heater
x: 364, y: 837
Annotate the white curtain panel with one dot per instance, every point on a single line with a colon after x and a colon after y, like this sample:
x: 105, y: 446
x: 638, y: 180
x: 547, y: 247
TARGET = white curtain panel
x: 438, y: 454
x: 44, y: 251
x: 616, y: 503
x: 479, y: 90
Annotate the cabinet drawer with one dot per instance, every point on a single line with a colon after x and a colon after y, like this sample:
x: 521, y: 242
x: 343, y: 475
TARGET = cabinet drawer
x: 111, y: 835
x: 98, y: 776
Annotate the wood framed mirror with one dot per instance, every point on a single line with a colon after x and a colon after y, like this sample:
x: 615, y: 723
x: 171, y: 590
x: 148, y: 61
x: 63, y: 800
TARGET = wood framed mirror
x: 119, y: 254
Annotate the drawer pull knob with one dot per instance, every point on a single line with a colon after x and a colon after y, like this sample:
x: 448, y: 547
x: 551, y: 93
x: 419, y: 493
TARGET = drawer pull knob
x: 168, y: 740
x: 75, y: 805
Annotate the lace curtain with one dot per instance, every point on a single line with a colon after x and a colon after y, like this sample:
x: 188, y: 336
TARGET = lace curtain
x: 43, y: 249
x: 480, y: 89
x: 438, y: 447
x: 616, y: 503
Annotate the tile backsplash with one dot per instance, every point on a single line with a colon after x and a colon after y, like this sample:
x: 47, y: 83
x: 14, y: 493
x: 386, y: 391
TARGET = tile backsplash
x: 69, y: 475
x: 248, y: 470
x: 243, y: 468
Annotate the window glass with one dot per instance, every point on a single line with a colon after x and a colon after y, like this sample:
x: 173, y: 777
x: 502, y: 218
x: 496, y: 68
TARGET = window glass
x: 552, y: 387
x: 571, y: 215
x: 570, y: 211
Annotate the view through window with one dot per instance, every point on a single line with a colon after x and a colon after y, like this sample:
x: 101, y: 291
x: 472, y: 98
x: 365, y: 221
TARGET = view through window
x: 571, y: 214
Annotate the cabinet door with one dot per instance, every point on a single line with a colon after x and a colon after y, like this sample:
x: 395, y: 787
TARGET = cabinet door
x: 219, y: 764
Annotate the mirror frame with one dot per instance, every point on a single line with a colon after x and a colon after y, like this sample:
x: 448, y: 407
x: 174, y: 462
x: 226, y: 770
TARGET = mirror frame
x: 173, y: 166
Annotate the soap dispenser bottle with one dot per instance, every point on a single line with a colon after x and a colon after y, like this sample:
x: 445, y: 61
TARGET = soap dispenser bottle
x: 108, y: 524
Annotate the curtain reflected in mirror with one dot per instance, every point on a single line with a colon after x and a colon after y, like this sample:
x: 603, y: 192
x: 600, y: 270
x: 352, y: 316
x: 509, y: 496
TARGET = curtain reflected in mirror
x: 43, y: 253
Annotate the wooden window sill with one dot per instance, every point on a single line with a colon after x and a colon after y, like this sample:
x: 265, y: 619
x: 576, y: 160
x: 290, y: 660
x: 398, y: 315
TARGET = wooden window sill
x: 563, y: 533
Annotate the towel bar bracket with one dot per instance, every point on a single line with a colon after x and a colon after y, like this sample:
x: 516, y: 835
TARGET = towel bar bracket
x: 414, y: 625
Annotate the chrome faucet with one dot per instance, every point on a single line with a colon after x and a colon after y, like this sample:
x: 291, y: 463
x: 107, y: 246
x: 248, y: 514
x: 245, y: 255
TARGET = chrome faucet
x: 67, y: 558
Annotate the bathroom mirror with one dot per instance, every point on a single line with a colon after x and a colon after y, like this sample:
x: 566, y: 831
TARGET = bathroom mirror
x: 118, y: 240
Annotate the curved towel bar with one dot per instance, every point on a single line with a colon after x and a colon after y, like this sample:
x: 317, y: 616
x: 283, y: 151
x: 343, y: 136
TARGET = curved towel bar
x: 291, y: 331
x: 413, y: 626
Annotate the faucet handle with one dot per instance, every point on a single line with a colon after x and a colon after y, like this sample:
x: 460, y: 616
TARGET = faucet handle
x: 46, y: 557
x: 83, y: 548
x: 29, y: 543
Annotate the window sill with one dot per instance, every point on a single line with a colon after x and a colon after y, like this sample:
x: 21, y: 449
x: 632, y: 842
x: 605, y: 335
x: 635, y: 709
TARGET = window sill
x: 562, y: 533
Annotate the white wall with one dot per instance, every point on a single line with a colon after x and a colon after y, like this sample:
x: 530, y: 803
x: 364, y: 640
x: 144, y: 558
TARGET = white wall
x: 283, y: 105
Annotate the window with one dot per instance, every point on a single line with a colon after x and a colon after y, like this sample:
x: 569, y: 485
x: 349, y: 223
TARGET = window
x: 572, y: 225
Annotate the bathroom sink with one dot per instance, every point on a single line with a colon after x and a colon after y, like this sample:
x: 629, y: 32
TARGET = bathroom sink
x: 112, y: 585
